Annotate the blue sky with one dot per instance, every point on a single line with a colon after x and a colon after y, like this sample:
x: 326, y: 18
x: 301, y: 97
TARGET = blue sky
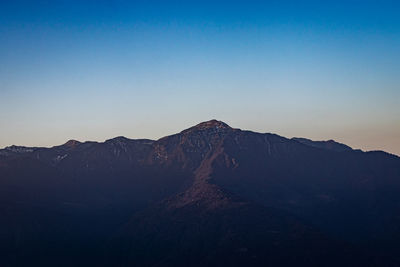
x: 92, y: 70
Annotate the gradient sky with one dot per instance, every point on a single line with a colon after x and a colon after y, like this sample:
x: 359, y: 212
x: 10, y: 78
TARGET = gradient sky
x: 93, y: 70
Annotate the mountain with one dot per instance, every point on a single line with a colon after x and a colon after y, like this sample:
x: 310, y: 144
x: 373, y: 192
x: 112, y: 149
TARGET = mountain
x: 330, y: 144
x: 210, y: 195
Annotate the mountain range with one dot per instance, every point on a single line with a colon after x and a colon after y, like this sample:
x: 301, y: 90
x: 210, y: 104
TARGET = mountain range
x: 210, y: 195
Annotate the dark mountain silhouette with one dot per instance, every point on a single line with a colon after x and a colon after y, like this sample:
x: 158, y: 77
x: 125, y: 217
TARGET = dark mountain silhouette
x: 330, y: 144
x: 210, y: 195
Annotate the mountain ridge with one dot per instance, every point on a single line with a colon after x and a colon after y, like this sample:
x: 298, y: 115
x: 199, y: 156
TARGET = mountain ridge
x: 212, y: 124
x: 204, y: 196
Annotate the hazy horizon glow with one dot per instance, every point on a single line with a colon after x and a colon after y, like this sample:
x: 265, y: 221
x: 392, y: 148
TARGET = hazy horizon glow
x: 93, y: 70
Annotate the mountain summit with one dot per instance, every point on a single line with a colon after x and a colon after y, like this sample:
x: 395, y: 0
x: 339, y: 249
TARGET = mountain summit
x: 72, y: 143
x: 212, y: 124
x: 210, y: 195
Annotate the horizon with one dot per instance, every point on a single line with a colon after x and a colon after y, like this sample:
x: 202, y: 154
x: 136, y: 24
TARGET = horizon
x: 180, y: 131
x: 89, y: 70
x: 200, y: 133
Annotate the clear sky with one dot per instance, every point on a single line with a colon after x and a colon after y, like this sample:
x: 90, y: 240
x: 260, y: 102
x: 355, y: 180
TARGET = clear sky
x: 93, y: 70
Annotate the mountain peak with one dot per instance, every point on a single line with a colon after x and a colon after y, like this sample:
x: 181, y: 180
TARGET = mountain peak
x: 118, y: 139
x: 212, y: 124
x: 72, y: 143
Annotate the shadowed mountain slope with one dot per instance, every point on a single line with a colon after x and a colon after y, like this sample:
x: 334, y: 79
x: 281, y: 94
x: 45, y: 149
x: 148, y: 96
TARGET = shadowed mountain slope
x: 210, y: 195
